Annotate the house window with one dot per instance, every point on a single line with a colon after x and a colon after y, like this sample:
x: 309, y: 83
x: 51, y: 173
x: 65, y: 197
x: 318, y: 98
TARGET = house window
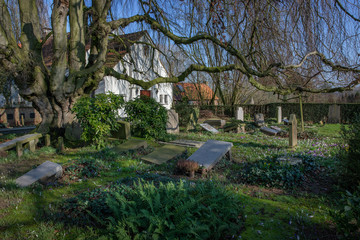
x: 10, y: 116
x: 32, y: 115
x: 166, y: 99
x: 161, y: 98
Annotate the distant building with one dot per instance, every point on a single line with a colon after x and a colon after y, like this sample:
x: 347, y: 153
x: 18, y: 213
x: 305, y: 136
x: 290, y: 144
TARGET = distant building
x: 147, y: 67
x: 194, y: 93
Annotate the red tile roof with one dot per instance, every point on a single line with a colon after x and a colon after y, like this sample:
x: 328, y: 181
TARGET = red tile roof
x: 193, y: 91
x: 111, y: 58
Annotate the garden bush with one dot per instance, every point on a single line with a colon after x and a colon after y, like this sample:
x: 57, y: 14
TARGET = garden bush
x: 148, y: 118
x: 347, y: 218
x: 97, y: 116
x: 350, y: 159
x: 159, y: 210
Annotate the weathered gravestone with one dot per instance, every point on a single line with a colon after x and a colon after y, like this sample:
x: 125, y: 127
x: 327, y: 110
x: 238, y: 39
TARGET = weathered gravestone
x: 163, y: 154
x: 61, y: 146
x: 239, y: 115
x: 292, y: 131
x: 131, y: 144
x: 269, y: 131
x: 216, y: 122
x: 185, y: 143
x: 279, y: 114
x: 43, y: 173
x: 172, y: 125
x: 123, y: 131
x: 210, y: 153
x: 47, y: 140
x: 259, y: 119
x: 209, y: 128
x: 286, y: 122
x: 276, y: 128
x: 334, y: 114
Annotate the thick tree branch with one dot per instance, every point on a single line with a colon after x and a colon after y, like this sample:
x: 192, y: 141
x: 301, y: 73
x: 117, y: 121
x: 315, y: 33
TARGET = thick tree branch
x: 77, y: 38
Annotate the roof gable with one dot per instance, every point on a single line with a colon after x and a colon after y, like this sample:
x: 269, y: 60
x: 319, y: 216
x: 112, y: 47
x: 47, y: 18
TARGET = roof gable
x: 193, y: 91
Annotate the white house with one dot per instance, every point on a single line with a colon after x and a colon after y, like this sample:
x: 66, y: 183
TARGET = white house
x: 139, y: 61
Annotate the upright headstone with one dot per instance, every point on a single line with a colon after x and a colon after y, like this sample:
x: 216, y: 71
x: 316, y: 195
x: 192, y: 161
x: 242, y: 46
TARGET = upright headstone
x: 19, y: 149
x: 259, y: 119
x: 61, y: 146
x: 252, y: 101
x: 172, y: 125
x: 279, y: 114
x: 334, y: 114
x: 194, y: 116
x: 293, y: 131
x: 47, y: 140
x: 32, y: 145
x: 123, y: 131
x: 239, y: 114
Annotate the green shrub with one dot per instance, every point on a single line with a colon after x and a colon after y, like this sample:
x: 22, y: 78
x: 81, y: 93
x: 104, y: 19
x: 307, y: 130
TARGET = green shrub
x: 187, y: 113
x: 160, y: 210
x: 97, y: 116
x: 148, y: 118
x: 350, y: 162
x: 347, y: 218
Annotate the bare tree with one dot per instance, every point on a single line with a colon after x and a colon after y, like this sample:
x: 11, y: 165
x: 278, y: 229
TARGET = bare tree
x: 265, y: 41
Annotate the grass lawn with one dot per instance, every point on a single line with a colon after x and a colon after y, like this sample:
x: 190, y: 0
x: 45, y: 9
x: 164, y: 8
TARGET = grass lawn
x: 295, y: 205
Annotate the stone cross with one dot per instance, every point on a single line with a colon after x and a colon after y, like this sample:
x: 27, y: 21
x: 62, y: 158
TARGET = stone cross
x: 239, y: 114
x: 279, y: 114
x: 293, y: 131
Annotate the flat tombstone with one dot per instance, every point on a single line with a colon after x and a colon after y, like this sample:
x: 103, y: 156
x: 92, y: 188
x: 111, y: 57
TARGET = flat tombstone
x: 172, y: 125
x: 163, y: 154
x: 269, y: 131
x: 209, y: 128
x: 279, y: 114
x: 47, y: 140
x: 19, y: 149
x: 293, y: 131
x: 239, y: 114
x: 210, y: 153
x: 334, y: 114
x: 42, y: 173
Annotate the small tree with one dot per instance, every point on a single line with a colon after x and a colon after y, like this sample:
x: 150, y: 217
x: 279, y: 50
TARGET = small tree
x: 148, y: 118
x: 97, y: 116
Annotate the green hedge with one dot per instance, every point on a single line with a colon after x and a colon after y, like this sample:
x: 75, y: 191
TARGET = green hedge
x: 314, y: 112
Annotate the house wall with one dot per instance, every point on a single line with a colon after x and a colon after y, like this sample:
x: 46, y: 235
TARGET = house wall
x: 12, y: 116
x: 142, y: 63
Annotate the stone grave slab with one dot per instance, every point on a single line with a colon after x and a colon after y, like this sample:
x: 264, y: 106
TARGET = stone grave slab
x: 210, y: 153
x: 131, y: 144
x: 42, y: 173
x: 163, y: 154
x: 216, y: 122
x: 276, y: 128
x: 209, y: 128
x: 185, y: 143
x: 269, y: 131
x: 23, y: 139
x: 286, y: 121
